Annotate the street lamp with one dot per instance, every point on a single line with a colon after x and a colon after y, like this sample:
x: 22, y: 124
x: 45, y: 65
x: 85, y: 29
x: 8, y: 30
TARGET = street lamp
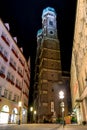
x: 35, y: 112
x: 61, y: 96
x: 31, y: 114
x: 19, y: 105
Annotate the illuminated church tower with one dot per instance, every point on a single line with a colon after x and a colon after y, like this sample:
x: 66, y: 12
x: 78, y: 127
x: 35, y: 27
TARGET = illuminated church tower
x: 49, y: 25
x: 48, y: 66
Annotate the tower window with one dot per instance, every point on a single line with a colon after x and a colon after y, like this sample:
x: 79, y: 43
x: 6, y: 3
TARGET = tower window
x: 51, y: 23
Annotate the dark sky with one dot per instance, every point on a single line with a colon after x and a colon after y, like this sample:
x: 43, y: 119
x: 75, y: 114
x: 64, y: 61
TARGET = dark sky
x: 24, y: 17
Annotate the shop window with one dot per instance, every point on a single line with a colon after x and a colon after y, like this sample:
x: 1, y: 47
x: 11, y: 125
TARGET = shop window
x: 4, y: 114
x: 5, y: 108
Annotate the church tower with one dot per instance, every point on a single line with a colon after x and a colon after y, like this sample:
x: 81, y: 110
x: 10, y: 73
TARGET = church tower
x: 49, y: 25
x: 48, y: 63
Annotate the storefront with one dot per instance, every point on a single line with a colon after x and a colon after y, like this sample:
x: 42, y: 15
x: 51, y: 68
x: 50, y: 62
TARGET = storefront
x: 4, y: 114
x: 8, y: 117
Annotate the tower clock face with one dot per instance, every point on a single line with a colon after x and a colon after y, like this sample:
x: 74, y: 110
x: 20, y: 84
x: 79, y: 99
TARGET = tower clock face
x: 51, y: 32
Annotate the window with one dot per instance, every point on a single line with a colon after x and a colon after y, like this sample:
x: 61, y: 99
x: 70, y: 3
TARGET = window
x: 2, y: 70
x: 15, y: 64
x: 51, y: 23
x: 5, y: 39
x: 1, y: 48
x: 12, y: 78
x: 8, y: 75
x: 14, y: 97
x: 17, y: 98
x: 10, y: 95
x: 0, y: 90
x: 20, y: 84
x: 17, y: 82
x: 5, y: 53
x: 5, y: 93
x: 11, y: 59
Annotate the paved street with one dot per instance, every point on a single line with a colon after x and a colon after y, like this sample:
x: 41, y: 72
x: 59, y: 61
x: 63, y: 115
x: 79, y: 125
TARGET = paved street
x: 42, y: 127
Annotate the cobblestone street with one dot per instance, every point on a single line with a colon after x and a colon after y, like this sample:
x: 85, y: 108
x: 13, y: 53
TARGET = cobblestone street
x: 42, y: 127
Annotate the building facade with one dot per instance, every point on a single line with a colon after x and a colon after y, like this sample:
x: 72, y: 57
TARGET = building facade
x: 48, y: 73
x: 14, y: 79
x: 79, y: 63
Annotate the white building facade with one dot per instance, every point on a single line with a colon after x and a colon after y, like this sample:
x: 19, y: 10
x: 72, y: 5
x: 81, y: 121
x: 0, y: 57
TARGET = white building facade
x: 79, y: 63
x: 14, y: 79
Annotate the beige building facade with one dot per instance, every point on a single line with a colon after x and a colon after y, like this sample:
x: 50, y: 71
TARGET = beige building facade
x: 79, y: 63
x: 14, y: 79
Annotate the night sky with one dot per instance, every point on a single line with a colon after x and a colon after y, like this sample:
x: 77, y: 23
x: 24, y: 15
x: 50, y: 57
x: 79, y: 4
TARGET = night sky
x: 24, y: 18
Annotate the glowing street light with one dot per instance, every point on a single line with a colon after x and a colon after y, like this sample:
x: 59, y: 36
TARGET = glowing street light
x: 19, y: 105
x: 61, y: 96
x: 35, y: 112
x: 31, y: 114
x: 31, y: 109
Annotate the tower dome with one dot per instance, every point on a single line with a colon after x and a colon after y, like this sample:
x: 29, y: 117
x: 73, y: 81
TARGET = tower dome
x: 49, y: 26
